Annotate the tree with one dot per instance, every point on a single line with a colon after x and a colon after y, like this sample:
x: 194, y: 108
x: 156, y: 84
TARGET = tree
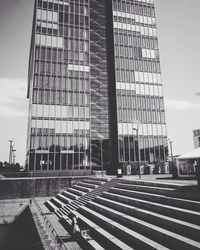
x: 6, y: 164
x: 1, y: 166
x: 17, y: 165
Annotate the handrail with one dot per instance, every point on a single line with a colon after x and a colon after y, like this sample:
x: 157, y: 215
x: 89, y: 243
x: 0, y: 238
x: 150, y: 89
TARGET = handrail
x: 56, y: 238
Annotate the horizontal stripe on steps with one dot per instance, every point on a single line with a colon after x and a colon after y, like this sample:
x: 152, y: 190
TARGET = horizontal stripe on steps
x: 178, y: 226
x: 183, y: 203
x: 130, y: 236
x: 116, y: 243
x: 182, y: 214
x: 149, y: 230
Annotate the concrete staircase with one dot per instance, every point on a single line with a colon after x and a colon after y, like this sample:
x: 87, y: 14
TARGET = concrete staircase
x: 79, y: 194
x: 140, y: 215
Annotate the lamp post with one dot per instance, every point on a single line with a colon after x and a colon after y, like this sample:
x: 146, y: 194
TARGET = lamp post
x: 198, y: 161
x: 171, y: 151
x: 173, y: 167
x: 101, y: 157
x: 137, y: 133
x: 101, y: 152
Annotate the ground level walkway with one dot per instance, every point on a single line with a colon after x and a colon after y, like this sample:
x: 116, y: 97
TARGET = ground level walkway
x: 166, y: 178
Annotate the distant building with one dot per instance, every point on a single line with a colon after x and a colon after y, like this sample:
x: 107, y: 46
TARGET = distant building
x: 94, y: 70
x: 196, y: 138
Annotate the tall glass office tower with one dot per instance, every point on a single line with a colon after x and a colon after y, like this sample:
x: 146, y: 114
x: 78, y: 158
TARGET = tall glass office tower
x: 94, y: 72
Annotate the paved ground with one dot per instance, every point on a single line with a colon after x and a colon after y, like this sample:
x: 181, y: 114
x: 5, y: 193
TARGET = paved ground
x: 157, y: 178
x: 9, y: 209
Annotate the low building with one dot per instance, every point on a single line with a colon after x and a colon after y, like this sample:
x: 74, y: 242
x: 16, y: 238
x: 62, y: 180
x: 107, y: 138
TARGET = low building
x: 187, y: 162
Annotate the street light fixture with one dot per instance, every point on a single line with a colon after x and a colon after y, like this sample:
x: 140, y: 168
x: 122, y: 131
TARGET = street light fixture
x: 170, y: 143
x: 137, y: 133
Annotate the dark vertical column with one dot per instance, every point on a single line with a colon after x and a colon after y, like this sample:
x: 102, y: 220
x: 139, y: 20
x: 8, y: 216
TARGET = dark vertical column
x: 100, y: 124
x: 112, y: 88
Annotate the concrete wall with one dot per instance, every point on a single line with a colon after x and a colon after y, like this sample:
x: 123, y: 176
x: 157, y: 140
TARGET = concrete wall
x: 21, y: 234
x: 12, y: 188
x: 26, y: 236
x: 6, y: 232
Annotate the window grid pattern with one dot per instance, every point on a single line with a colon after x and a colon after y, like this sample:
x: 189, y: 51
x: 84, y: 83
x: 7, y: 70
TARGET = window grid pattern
x: 139, y: 83
x: 59, y: 91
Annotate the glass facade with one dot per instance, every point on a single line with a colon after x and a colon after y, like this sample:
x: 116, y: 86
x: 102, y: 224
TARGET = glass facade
x: 59, y: 87
x: 92, y: 61
x: 138, y: 82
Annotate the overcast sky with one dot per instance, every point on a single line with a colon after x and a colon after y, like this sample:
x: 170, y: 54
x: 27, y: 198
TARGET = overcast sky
x: 179, y: 38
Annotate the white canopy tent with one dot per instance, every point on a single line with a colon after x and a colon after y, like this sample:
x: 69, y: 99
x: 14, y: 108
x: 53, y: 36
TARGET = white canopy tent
x: 193, y: 154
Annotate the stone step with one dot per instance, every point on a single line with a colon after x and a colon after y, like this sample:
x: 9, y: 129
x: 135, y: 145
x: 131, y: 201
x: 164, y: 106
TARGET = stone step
x: 155, y: 184
x: 123, y: 233
x: 78, y: 202
x: 81, y: 200
x: 64, y: 211
x: 58, y: 213
x: 85, y: 197
x: 51, y: 206
x: 158, y: 234
x: 175, y: 212
x: 75, y: 191
x: 108, y: 240
x: 67, y: 208
x: 99, y: 179
x: 63, y: 198
x: 95, y: 192
x: 147, y: 189
x: 177, y: 226
x: 70, y: 195
x: 57, y: 202
x: 71, y: 206
x: 177, y: 202
x: 88, y: 185
x: 90, y: 244
x: 66, y: 194
x: 83, y: 189
x: 75, y: 204
x: 93, y: 245
x: 95, y: 182
x: 180, y: 193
